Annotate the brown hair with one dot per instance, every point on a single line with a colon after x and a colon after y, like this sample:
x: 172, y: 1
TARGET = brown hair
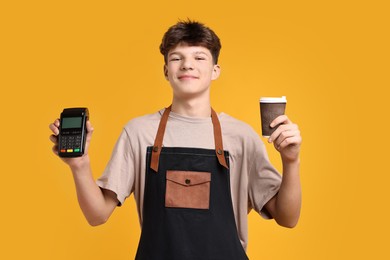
x: 191, y: 33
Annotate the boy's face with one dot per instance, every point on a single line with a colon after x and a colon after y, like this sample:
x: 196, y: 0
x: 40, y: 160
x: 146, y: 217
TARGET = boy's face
x: 190, y: 70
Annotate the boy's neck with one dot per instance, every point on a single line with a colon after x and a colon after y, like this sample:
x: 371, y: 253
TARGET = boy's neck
x: 192, y: 108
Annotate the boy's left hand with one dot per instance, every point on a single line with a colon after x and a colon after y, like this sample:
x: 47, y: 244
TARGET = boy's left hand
x: 286, y: 138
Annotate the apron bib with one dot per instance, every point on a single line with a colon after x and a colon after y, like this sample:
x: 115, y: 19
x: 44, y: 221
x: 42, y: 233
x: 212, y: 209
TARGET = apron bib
x: 187, y: 212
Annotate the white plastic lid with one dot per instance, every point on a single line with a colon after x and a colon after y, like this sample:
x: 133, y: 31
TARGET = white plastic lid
x: 273, y: 99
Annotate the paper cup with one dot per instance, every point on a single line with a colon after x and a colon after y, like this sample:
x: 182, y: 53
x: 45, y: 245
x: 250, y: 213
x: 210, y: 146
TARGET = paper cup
x: 271, y: 108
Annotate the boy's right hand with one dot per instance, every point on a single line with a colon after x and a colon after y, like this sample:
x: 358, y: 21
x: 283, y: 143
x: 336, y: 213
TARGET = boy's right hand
x: 75, y: 161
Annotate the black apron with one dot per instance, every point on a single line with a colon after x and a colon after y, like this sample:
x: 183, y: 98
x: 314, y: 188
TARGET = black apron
x: 187, y: 211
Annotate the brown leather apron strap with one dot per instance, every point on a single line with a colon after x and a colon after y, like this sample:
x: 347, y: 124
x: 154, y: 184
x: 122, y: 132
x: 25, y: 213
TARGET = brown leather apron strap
x: 160, y: 136
x: 159, y: 139
x: 218, y: 139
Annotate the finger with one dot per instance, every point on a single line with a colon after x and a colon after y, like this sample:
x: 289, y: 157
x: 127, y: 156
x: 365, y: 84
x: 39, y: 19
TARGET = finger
x: 54, y: 127
x: 293, y: 140
x: 90, y: 130
x: 281, y: 129
x: 282, y: 119
x: 53, y: 138
x: 89, y: 127
x: 55, y: 149
x: 285, y: 135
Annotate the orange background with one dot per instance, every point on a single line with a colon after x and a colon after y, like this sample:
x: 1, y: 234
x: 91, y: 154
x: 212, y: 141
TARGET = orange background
x: 330, y: 58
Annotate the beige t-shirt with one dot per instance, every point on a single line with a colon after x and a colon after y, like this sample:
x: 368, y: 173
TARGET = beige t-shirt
x: 254, y: 181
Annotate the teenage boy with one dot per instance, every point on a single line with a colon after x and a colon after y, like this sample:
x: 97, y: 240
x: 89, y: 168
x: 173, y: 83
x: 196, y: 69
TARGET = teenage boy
x: 194, y: 174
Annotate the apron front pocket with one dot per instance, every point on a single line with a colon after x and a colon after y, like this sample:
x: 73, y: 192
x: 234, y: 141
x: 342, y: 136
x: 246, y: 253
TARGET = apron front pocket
x: 187, y: 189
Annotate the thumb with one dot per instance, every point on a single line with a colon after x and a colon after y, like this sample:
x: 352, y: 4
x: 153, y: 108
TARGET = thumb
x: 90, y: 130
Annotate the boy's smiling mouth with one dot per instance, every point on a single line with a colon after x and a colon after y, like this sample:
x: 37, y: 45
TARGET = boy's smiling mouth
x: 185, y: 77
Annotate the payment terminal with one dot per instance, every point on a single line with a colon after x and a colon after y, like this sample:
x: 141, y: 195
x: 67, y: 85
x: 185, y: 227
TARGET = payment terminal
x: 73, y: 132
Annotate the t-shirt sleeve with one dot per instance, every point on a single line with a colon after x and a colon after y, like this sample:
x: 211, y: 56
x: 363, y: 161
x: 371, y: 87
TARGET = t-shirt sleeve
x: 264, y: 180
x: 118, y: 175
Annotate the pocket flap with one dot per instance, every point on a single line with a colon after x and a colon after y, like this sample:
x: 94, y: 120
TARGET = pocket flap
x: 188, y: 178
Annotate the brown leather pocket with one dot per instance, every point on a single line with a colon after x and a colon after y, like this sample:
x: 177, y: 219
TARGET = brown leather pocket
x: 187, y: 189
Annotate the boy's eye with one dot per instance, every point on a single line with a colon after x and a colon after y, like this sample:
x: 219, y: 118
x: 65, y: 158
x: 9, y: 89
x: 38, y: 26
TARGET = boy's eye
x: 200, y: 58
x: 174, y: 59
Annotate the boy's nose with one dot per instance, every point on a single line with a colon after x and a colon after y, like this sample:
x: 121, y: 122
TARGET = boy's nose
x: 187, y: 65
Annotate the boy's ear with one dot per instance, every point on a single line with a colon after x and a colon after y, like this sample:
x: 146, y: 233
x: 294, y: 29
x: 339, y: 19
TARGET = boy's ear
x: 216, y: 72
x: 165, y: 71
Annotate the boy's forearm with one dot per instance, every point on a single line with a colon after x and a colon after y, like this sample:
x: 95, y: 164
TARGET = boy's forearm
x: 288, y: 203
x: 90, y: 197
